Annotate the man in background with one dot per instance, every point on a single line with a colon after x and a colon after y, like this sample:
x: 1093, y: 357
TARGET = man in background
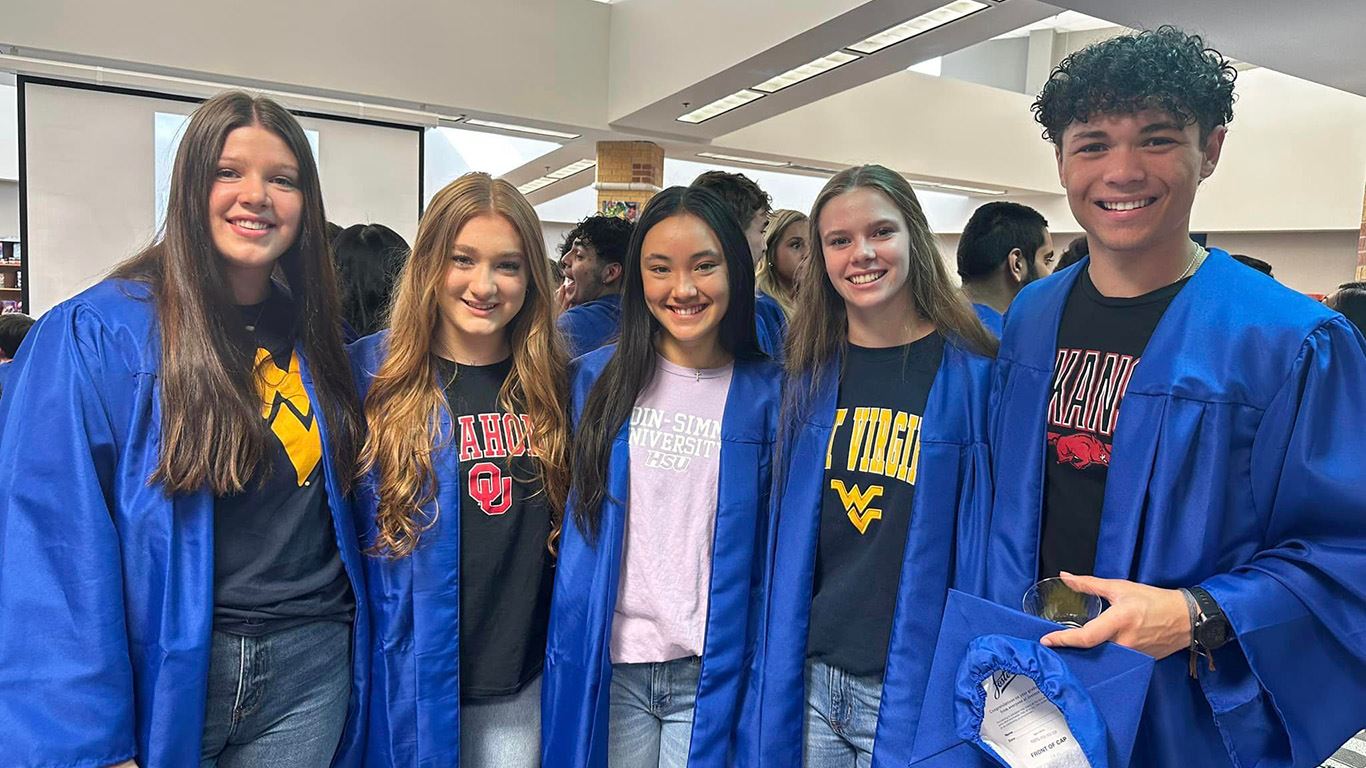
x: 592, y: 270
x: 1004, y: 247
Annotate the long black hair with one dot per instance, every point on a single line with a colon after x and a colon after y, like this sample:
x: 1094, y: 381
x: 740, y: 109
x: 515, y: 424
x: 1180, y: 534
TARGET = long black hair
x: 632, y: 366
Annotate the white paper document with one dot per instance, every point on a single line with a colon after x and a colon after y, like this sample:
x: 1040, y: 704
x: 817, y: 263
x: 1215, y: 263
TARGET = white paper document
x: 1026, y: 729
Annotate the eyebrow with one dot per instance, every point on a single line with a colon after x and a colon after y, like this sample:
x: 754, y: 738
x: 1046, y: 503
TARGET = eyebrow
x: 236, y: 159
x: 1101, y: 133
x: 708, y: 253
x: 472, y: 251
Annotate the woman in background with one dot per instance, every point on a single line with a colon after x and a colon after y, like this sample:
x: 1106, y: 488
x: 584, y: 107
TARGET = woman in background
x: 656, y: 596
x: 786, y: 245
x: 180, y: 582
x: 464, y: 477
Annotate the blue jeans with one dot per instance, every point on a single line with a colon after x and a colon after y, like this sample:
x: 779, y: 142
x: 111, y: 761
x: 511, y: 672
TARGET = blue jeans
x: 278, y: 700
x: 651, y: 713
x: 504, y: 731
x: 841, y: 717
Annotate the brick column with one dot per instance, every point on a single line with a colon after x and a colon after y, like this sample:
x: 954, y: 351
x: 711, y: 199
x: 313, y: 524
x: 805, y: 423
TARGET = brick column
x: 629, y: 174
x: 1361, y: 244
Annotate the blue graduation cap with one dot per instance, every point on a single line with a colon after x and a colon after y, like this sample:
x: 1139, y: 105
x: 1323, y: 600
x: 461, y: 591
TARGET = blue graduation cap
x: 996, y: 696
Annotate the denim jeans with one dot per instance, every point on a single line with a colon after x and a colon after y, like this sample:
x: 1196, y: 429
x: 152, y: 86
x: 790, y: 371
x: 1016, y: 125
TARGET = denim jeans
x: 651, y: 713
x: 841, y: 717
x: 503, y: 732
x: 277, y: 700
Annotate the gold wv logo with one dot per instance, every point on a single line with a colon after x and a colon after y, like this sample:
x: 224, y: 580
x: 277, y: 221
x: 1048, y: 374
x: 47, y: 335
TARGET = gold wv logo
x: 288, y: 412
x: 856, y: 504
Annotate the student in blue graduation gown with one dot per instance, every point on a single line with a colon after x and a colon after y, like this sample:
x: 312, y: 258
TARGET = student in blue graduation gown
x: 178, y: 569
x: 786, y: 246
x: 655, y: 605
x: 592, y: 268
x: 883, y: 452
x: 1213, y: 493
x: 465, y: 474
x: 1004, y: 247
x: 751, y: 206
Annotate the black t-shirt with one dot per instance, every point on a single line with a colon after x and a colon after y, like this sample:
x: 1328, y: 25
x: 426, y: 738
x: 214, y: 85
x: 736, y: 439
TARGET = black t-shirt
x: 276, y: 562
x: 1100, y: 341
x: 506, y: 570
x: 870, y: 474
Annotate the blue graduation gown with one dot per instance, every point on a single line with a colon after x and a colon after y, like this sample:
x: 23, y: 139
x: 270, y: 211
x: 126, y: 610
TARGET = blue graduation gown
x: 577, y: 685
x: 770, y: 325
x: 993, y: 320
x: 1237, y: 466
x: 591, y: 325
x: 106, y: 583
x: 414, y: 707
x: 953, y: 485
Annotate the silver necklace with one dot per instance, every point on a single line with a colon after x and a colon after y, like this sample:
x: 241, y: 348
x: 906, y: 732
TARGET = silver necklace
x: 1197, y: 252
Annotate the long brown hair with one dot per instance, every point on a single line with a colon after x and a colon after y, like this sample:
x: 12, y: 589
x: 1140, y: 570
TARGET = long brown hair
x: 403, y: 408
x: 819, y: 335
x: 766, y: 275
x: 212, y: 433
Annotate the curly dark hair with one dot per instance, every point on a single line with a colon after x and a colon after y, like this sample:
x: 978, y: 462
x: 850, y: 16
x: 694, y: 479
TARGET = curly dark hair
x: 609, y: 235
x: 1164, y: 69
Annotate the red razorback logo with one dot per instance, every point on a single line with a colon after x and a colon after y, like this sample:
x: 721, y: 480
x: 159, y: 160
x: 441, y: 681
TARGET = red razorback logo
x: 490, y: 488
x: 1080, y: 450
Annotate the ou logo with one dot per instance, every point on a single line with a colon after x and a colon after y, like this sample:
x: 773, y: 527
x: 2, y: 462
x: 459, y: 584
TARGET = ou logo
x: 490, y: 488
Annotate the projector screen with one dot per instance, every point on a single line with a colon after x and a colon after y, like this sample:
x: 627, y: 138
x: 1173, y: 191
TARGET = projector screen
x: 90, y: 177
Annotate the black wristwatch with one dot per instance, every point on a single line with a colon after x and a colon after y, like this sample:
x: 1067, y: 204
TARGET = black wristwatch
x: 1210, y: 629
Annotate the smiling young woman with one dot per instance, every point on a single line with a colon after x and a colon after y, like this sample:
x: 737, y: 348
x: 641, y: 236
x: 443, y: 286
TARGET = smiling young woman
x: 193, y: 462
x: 658, y: 582
x: 464, y: 476
x: 884, y: 422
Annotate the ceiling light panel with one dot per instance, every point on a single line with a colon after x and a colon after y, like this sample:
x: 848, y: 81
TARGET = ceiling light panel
x: 521, y: 128
x: 571, y: 169
x: 720, y: 106
x: 750, y: 160
x: 919, y: 25
x: 805, y: 71
x: 535, y: 184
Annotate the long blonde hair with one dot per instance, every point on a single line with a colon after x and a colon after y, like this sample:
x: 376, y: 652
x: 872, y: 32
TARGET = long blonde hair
x: 819, y: 333
x: 766, y: 274
x: 403, y: 409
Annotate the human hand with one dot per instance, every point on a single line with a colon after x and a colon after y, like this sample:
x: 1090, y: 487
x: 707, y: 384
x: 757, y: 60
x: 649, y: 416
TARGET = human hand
x: 1148, y: 619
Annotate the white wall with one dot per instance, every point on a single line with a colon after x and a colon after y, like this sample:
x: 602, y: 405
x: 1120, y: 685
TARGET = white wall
x: 91, y: 187
x: 9, y: 209
x: 9, y: 134
x: 542, y: 59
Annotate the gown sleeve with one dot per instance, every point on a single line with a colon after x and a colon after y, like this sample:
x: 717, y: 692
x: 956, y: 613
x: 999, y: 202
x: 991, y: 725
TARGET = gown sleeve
x: 66, y: 681
x: 1292, y: 687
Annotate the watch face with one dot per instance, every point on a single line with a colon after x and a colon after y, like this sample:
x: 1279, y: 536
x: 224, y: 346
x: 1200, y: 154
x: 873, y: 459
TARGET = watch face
x: 1212, y: 633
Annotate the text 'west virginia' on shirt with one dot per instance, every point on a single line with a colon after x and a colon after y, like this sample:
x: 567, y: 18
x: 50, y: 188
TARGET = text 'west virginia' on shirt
x: 506, y: 571
x: 275, y: 556
x: 870, y: 477
x: 1100, y: 341
x: 675, y: 436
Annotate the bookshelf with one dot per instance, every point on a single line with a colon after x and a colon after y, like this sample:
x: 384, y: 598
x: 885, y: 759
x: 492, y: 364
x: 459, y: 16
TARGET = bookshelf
x: 11, y: 276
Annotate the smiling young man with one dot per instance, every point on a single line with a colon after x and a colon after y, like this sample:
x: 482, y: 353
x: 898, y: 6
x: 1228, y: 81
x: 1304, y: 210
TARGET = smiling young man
x: 1209, y: 494
x: 592, y: 271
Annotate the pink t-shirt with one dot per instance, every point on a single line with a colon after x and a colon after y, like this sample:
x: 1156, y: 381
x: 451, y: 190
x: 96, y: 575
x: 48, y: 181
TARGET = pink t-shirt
x: 661, y: 611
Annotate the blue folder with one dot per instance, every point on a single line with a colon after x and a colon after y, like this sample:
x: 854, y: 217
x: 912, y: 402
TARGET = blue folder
x: 1116, y: 679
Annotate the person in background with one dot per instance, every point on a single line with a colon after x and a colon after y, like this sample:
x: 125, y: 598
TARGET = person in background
x: 593, y: 270
x: 1257, y: 264
x: 1350, y: 301
x: 884, y: 449
x: 369, y: 258
x: 465, y: 473
x: 1075, y: 252
x: 751, y: 206
x: 1004, y: 247
x: 786, y: 245
x: 1182, y: 433
x: 658, y: 584
x: 180, y: 578
x: 564, y: 293
x: 14, y: 326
